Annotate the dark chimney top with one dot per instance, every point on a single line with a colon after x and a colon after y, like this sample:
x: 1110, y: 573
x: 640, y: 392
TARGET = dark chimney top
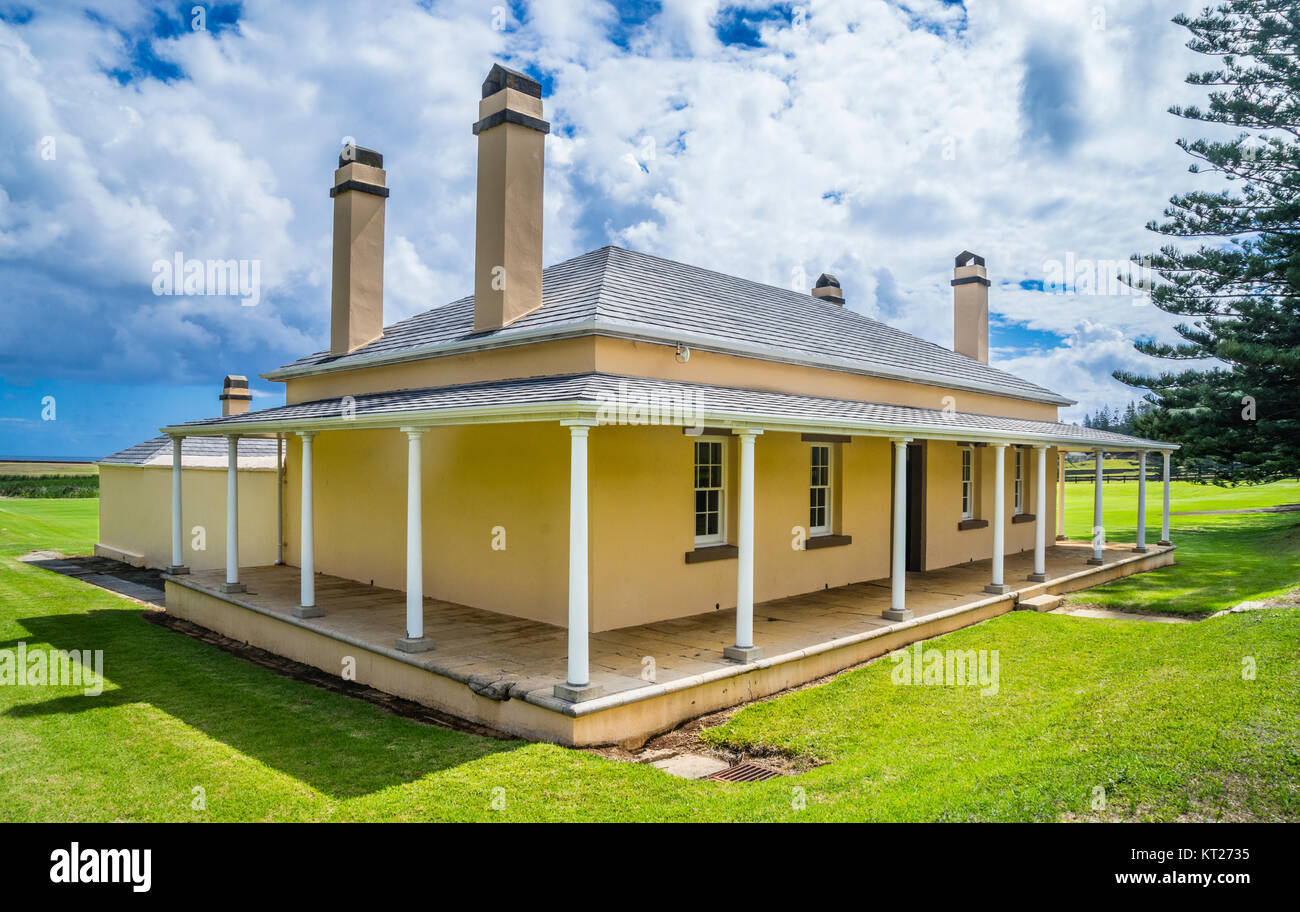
x: 500, y: 77
x: 966, y: 256
x: 828, y: 289
x: 361, y: 156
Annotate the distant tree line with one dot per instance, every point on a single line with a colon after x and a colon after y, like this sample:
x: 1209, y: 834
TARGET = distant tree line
x: 1118, y: 420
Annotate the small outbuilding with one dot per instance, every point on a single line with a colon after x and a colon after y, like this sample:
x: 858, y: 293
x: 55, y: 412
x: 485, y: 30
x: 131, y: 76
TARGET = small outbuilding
x: 135, y: 496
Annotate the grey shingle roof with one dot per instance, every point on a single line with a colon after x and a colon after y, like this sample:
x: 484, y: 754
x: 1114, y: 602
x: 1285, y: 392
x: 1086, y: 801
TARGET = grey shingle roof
x: 619, y: 291
x: 717, y: 404
x: 254, y: 452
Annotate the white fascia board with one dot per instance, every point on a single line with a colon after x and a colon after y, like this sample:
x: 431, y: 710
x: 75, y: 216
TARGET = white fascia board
x: 635, y: 333
x: 560, y: 411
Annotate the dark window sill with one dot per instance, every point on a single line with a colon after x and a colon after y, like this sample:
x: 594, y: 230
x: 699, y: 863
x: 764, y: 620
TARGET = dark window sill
x: 826, y: 541
x: 711, y: 553
x: 1022, y: 518
x: 972, y: 524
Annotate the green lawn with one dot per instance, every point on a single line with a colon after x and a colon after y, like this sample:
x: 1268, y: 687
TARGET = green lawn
x: 1158, y: 715
x: 1222, y: 560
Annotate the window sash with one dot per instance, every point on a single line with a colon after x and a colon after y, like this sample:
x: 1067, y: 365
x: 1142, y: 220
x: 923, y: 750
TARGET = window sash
x: 710, y: 475
x: 967, y: 483
x: 1020, y: 481
x: 821, y: 474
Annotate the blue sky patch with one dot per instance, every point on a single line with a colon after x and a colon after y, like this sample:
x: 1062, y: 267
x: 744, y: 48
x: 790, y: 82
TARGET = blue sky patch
x: 741, y: 26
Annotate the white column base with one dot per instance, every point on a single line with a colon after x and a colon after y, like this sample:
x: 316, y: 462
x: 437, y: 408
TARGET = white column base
x: 414, y: 644
x: 578, y: 693
x: 997, y: 588
x: 1037, y: 577
x: 229, y: 588
x: 312, y: 611
x: 891, y: 614
x: 743, y: 654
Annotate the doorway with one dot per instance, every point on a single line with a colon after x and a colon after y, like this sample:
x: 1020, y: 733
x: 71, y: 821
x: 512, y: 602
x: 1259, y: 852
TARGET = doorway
x: 915, y: 559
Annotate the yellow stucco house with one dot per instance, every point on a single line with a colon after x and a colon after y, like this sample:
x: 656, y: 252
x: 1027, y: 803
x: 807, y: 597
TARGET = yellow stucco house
x: 590, y: 501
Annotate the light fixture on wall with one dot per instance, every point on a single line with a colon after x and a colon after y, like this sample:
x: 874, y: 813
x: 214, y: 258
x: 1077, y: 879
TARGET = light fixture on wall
x: 683, y: 353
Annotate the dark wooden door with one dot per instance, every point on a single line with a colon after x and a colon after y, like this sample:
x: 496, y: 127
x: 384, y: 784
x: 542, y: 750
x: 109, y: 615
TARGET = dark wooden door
x: 915, y: 506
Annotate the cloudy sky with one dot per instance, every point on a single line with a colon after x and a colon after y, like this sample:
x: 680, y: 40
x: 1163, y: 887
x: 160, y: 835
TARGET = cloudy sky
x: 870, y: 139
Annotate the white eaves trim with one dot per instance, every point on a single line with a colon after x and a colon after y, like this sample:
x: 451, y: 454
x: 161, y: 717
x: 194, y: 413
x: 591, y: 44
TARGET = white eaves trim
x: 560, y: 411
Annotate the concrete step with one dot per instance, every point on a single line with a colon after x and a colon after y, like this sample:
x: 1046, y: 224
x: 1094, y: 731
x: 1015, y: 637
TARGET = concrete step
x: 1040, y: 603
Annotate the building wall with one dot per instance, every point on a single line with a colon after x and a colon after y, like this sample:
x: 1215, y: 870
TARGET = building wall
x: 475, y: 480
x: 565, y: 356
x: 643, y: 524
x: 945, y: 544
x: 645, y: 359
x: 135, y: 514
x: 508, y: 484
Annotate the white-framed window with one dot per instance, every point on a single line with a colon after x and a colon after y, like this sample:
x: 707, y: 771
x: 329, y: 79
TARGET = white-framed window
x: 967, y: 482
x: 819, y: 489
x: 710, y: 491
x: 1020, y: 480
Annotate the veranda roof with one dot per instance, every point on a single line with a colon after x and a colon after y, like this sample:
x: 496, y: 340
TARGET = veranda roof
x: 613, y: 399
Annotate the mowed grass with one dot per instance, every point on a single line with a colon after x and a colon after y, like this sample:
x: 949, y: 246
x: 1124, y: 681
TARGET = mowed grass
x: 1222, y: 560
x: 1159, y: 716
x: 48, y: 468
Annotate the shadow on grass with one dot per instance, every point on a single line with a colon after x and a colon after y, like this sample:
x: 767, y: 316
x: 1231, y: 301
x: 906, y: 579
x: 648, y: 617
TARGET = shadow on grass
x: 336, y: 744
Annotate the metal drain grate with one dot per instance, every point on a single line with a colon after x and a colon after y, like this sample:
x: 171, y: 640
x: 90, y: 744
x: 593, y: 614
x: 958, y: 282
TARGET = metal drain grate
x: 744, y: 772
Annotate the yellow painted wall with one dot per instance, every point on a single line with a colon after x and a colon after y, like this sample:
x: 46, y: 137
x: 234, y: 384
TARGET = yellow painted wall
x: 644, y: 359
x: 135, y: 514
x: 566, y: 356
x: 643, y: 524
x: 945, y: 545
x: 475, y: 479
x: 515, y: 477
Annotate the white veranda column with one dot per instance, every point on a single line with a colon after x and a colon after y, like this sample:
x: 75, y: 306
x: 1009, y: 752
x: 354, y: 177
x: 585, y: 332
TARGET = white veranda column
x: 1164, y: 524
x: 1098, y: 530
x: 232, y: 583
x: 999, y: 450
x: 279, y: 499
x: 1142, y: 502
x: 178, y: 529
x: 744, y: 649
x: 897, y: 610
x: 415, y: 640
x: 307, y: 607
x: 1060, y: 495
x: 577, y: 685
x: 1040, y: 518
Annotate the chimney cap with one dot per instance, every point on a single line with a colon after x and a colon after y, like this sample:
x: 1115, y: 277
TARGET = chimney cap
x: 966, y: 257
x: 235, y: 387
x: 826, y: 280
x: 360, y: 155
x: 500, y: 77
